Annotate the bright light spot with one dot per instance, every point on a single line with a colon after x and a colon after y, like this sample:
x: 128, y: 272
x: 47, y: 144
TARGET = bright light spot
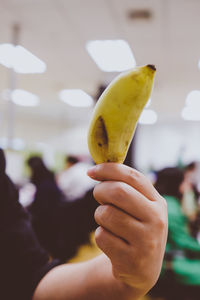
x: 111, y: 55
x: 27, y: 62
x: 15, y: 144
x: 26, y: 194
x: 24, y: 98
x: 7, y: 55
x: 18, y: 144
x: 191, y: 113
x: 148, y: 116
x: 148, y: 103
x: 193, y: 99
x: 76, y: 97
x: 20, y: 59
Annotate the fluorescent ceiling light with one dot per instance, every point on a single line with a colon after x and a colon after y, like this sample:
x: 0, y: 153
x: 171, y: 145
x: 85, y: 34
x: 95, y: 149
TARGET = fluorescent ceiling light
x: 191, y: 113
x: 24, y: 98
x: 193, y: 99
x: 148, y: 116
x: 111, y: 55
x: 20, y: 59
x: 6, y: 55
x: 76, y: 97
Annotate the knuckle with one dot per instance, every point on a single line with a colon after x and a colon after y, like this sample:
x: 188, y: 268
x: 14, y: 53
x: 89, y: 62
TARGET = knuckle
x: 160, y: 220
x: 135, y: 176
x: 118, y: 190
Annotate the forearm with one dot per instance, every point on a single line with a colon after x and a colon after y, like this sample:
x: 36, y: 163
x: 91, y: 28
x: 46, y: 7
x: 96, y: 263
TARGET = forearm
x: 89, y: 280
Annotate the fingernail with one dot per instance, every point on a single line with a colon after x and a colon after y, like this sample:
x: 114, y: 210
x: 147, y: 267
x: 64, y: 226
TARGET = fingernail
x: 92, y: 172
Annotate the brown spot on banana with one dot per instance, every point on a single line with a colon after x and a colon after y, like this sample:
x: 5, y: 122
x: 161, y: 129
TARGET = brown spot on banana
x: 101, y: 135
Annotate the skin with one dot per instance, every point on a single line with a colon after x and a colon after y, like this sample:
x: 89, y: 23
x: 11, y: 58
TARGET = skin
x: 132, y: 234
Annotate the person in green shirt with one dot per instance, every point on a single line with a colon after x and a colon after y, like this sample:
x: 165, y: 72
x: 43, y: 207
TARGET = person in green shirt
x: 180, y: 277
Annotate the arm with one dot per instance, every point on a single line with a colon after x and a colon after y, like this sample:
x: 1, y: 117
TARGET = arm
x: 88, y: 280
x: 132, y: 234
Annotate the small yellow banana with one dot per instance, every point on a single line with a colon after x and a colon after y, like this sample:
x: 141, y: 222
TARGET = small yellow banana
x: 116, y: 114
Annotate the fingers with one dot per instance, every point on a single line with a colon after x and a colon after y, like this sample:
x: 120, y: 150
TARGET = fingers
x: 120, y: 172
x: 119, y: 223
x: 110, y: 244
x: 133, y: 223
x: 124, y: 197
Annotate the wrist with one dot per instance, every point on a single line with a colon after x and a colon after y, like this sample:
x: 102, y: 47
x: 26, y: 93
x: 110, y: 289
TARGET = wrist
x: 125, y: 289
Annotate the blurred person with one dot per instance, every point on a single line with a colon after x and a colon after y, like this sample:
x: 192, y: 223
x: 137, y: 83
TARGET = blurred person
x: 190, y: 172
x: 23, y: 262
x: 181, y: 269
x: 73, y: 180
x: 132, y: 233
x: 190, y: 200
x: 61, y: 226
x: 191, y: 194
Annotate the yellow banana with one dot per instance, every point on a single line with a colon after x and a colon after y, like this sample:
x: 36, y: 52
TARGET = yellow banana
x: 116, y: 114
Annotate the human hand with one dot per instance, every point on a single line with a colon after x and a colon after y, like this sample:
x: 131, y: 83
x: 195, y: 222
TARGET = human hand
x: 133, y: 224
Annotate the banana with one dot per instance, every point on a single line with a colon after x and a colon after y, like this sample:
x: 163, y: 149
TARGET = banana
x: 116, y: 114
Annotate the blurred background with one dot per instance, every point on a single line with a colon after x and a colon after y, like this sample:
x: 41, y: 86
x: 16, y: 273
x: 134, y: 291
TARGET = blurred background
x: 59, y: 33
x: 57, y: 56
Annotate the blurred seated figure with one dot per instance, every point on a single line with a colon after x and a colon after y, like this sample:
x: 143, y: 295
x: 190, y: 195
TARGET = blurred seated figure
x: 73, y: 181
x: 23, y: 262
x: 180, y: 277
x: 61, y: 226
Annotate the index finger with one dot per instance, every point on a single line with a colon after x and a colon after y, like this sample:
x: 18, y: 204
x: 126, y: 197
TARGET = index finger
x: 120, y: 172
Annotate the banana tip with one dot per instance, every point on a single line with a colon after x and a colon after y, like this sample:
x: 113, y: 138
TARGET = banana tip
x: 152, y: 67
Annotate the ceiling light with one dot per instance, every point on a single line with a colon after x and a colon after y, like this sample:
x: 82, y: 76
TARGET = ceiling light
x: 148, y: 116
x: 191, y: 113
x: 27, y: 62
x: 111, y: 55
x: 24, y: 98
x: 193, y: 99
x: 20, y: 59
x: 7, y: 55
x: 76, y: 97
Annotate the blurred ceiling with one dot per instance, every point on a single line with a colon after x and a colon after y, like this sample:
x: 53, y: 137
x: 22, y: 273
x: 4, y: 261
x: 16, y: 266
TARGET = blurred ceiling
x: 160, y: 32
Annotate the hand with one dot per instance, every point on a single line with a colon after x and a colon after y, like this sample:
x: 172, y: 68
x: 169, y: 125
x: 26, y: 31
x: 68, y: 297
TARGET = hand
x: 133, y: 224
